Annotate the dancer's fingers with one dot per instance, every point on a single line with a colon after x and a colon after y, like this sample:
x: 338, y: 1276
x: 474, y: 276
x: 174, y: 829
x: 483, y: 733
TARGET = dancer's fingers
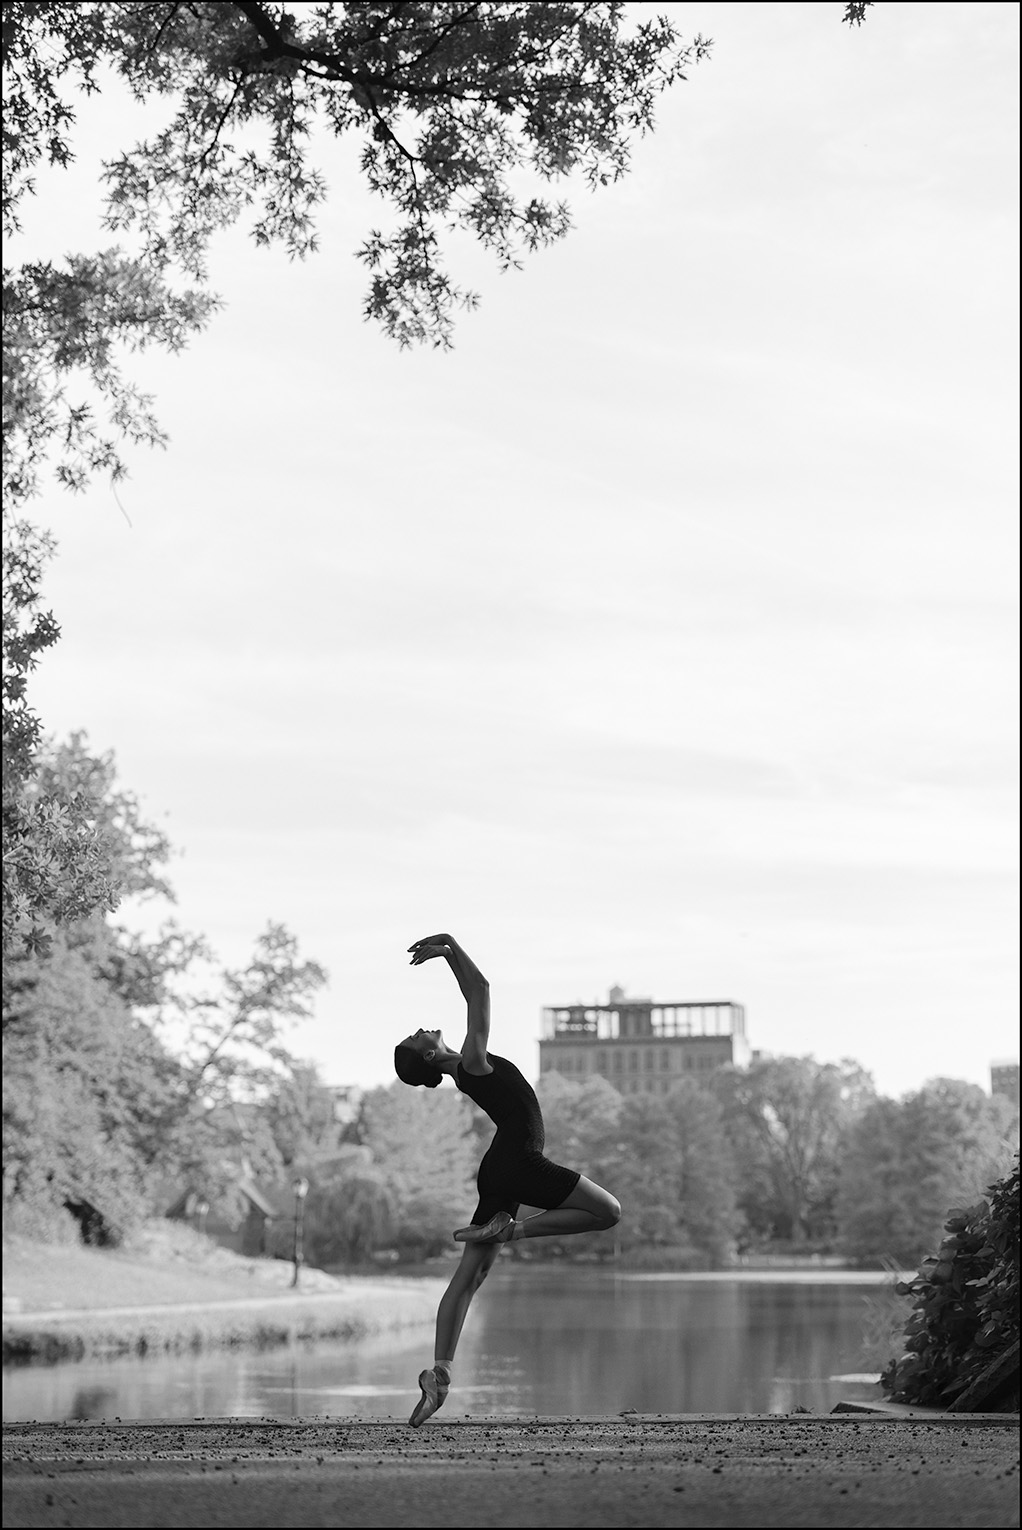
x: 426, y: 953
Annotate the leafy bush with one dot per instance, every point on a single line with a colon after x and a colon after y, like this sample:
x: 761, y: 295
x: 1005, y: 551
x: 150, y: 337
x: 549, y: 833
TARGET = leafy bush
x: 965, y: 1302
x: 41, y: 1220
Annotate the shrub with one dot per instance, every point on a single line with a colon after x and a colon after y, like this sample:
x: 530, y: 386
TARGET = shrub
x: 40, y: 1220
x: 965, y: 1302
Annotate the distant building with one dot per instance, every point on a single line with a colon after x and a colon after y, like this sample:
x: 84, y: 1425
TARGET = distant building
x: 641, y: 1046
x: 347, y: 1101
x: 1004, y: 1080
x: 240, y: 1220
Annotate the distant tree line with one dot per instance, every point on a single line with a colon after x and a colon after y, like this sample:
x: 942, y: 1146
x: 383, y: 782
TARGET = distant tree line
x: 136, y: 1067
x: 788, y: 1155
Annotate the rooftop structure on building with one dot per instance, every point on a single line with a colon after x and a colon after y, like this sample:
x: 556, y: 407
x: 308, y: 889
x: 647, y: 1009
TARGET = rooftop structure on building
x: 1004, y: 1080
x: 643, y: 1046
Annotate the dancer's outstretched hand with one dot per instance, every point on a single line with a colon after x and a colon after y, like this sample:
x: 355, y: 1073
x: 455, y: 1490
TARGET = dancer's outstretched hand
x: 433, y: 945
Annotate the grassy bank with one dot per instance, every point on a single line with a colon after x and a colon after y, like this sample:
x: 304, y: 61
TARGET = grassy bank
x: 170, y: 1290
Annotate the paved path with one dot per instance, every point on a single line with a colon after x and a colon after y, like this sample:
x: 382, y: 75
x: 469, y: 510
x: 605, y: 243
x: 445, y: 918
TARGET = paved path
x: 761, y: 1471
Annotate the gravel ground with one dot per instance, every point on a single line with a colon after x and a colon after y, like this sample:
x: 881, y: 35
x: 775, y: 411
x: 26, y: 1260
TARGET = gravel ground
x: 837, y: 1470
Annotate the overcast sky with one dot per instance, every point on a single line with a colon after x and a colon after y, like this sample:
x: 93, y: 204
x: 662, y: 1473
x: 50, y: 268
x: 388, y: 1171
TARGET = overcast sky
x: 662, y: 634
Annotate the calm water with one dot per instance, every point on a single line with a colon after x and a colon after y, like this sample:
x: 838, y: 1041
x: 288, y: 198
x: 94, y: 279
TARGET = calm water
x: 540, y: 1341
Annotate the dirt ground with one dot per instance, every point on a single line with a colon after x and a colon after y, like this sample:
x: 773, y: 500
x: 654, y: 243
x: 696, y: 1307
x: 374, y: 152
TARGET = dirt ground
x: 837, y: 1470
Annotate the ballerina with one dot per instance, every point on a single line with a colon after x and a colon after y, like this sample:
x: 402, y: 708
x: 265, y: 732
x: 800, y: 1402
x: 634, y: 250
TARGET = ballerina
x: 513, y: 1171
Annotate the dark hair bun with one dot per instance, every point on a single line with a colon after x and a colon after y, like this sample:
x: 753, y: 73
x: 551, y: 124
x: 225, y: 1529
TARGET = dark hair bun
x: 412, y: 1068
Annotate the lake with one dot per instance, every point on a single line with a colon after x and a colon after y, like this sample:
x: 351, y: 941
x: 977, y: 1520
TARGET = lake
x: 565, y: 1340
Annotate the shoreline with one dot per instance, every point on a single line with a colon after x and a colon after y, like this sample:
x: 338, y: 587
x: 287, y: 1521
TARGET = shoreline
x: 338, y: 1307
x: 364, y: 1306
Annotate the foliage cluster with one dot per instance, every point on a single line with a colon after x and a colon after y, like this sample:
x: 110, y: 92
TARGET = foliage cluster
x: 464, y: 115
x: 965, y: 1310
x: 128, y: 1059
x: 787, y: 1119
x: 411, y: 1170
x: 56, y: 868
x: 667, y: 1159
x: 906, y: 1161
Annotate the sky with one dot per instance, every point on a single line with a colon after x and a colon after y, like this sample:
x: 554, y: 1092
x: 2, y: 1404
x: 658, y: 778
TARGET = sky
x: 661, y: 634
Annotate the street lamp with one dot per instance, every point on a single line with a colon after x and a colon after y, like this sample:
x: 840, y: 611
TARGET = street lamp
x: 301, y: 1190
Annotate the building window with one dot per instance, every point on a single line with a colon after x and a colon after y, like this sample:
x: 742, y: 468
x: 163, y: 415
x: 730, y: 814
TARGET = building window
x: 649, y: 1061
x: 665, y: 1059
x: 633, y: 1060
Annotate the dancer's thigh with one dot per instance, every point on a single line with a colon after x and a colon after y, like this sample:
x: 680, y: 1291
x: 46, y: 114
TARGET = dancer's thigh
x: 588, y: 1196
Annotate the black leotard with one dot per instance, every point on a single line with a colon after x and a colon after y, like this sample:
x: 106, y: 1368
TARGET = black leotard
x: 513, y: 1171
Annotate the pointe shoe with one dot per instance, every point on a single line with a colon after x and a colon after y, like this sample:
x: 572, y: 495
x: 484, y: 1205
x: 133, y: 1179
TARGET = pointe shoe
x: 434, y: 1394
x: 498, y: 1229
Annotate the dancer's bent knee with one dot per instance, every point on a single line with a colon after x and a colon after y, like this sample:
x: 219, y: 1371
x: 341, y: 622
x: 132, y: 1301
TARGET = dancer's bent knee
x: 613, y: 1212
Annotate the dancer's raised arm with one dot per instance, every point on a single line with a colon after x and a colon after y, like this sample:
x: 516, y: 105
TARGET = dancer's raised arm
x: 474, y: 988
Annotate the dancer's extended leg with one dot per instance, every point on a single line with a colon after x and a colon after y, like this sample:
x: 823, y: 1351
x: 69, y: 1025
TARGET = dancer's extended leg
x: 476, y: 1263
x: 450, y: 1318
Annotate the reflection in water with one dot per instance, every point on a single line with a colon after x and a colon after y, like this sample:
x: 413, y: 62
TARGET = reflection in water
x: 588, y: 1346
x: 94, y: 1402
x: 565, y: 1340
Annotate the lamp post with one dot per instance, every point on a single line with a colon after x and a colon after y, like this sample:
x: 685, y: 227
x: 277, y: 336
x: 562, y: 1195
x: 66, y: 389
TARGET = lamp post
x: 301, y: 1190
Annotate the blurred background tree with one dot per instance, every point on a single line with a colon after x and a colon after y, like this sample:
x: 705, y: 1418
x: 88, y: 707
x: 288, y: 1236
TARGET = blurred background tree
x: 708, y: 1199
x: 907, y: 1161
x: 424, y: 1143
x: 787, y: 1117
x: 128, y: 1060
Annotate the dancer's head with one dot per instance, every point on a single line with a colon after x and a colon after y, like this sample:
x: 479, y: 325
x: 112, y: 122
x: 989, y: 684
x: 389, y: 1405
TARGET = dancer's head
x: 415, y: 1059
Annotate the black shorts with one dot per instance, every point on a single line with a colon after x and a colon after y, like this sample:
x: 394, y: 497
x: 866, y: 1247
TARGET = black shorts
x: 511, y: 1176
